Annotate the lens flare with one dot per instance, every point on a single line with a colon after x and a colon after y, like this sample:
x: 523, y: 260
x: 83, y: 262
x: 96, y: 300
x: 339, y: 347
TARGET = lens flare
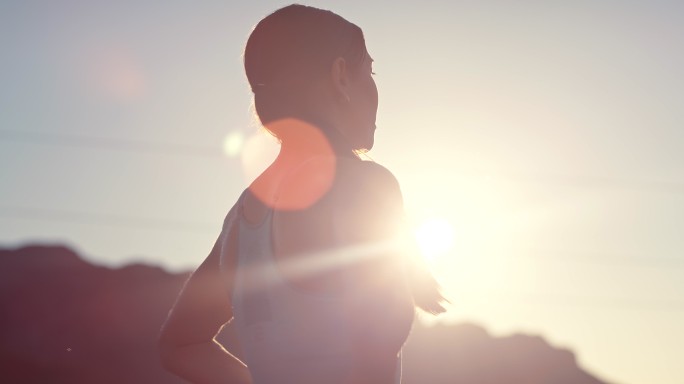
x: 303, y: 185
x: 233, y: 143
x: 435, y: 237
x: 116, y: 73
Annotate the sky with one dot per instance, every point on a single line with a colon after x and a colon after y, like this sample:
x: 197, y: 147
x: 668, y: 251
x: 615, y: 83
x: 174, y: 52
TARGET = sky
x: 543, y: 139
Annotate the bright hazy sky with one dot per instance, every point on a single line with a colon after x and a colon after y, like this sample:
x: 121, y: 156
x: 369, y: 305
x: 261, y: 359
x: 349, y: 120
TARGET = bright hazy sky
x: 547, y: 135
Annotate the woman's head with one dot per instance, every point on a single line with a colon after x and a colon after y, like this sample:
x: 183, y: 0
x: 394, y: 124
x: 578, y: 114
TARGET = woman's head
x: 311, y: 64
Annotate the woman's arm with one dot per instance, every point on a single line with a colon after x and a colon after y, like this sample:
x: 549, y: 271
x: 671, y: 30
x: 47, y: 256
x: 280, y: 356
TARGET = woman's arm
x: 186, y: 343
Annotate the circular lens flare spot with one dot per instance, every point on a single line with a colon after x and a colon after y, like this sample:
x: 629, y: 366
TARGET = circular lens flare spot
x: 116, y: 73
x: 300, y: 184
x: 233, y: 143
x: 435, y: 237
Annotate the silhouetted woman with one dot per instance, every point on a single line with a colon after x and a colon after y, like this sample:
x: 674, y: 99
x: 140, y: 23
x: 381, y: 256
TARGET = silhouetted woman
x: 313, y: 265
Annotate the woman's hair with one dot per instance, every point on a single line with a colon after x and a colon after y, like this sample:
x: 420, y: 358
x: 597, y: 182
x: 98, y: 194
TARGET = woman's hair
x: 289, y: 51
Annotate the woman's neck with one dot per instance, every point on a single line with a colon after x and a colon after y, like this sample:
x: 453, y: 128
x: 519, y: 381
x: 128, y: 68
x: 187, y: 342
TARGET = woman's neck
x: 302, y: 140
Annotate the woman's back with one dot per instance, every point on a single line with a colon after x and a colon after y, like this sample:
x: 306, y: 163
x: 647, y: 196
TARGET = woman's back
x: 305, y: 294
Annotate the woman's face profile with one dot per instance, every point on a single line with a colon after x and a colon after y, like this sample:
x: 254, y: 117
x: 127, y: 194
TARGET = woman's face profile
x: 363, y: 102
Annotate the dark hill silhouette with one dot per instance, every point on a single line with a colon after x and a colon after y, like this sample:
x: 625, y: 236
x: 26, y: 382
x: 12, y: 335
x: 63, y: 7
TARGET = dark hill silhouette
x: 466, y: 353
x: 63, y: 320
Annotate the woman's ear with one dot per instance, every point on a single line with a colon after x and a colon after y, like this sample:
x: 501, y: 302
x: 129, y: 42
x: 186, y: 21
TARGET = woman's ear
x: 339, y: 75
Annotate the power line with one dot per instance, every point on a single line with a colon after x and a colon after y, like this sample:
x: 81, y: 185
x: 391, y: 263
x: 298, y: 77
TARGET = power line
x: 107, y: 219
x: 65, y: 139
x: 605, y: 302
x: 565, y: 300
x: 128, y: 145
x: 597, y: 182
x: 208, y: 228
x: 603, y: 258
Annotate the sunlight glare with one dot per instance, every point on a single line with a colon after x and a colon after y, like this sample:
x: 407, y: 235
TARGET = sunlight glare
x: 435, y: 237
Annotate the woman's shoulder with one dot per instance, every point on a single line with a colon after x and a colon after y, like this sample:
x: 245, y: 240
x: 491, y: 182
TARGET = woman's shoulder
x: 367, y: 176
x: 365, y: 188
x: 339, y: 181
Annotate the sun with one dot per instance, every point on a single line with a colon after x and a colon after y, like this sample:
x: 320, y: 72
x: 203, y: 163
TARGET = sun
x: 435, y: 237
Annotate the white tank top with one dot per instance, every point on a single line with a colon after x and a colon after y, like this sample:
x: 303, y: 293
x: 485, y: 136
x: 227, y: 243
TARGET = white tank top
x: 289, y: 336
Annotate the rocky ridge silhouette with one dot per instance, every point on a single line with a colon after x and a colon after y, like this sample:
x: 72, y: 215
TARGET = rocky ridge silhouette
x: 63, y: 320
